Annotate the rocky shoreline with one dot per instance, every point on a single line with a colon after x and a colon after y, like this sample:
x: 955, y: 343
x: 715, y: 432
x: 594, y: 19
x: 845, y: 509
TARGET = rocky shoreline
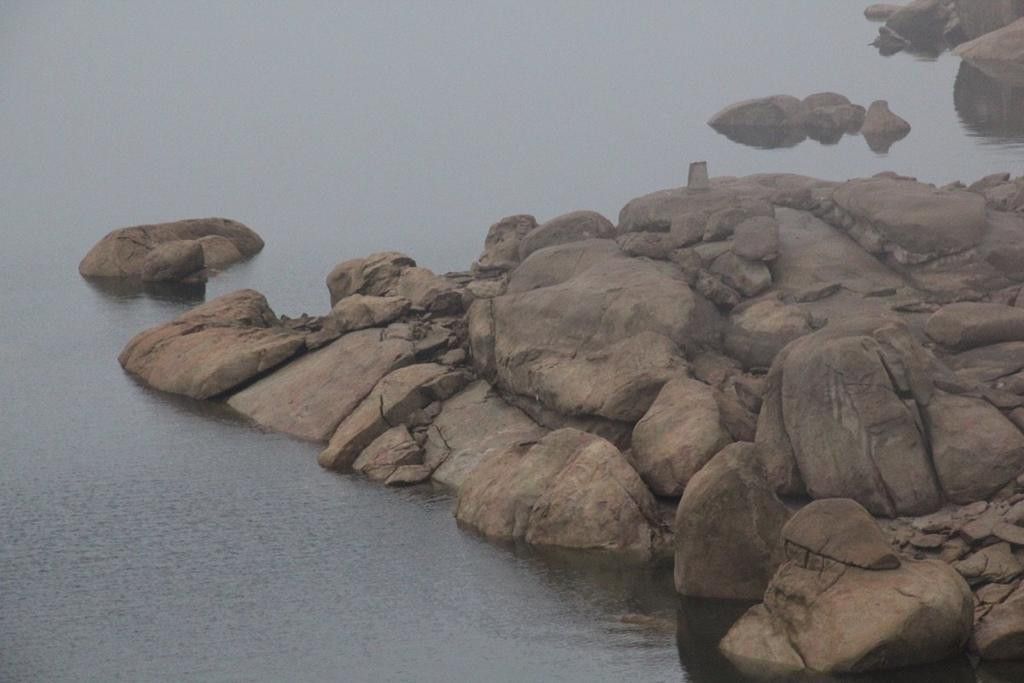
x: 802, y: 391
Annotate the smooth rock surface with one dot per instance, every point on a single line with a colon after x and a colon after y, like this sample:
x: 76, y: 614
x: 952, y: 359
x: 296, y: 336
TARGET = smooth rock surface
x: 212, y: 348
x: 570, y: 227
x: 173, y: 261
x: 965, y: 325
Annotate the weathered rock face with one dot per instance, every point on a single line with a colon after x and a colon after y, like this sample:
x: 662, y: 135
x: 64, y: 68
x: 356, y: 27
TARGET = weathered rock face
x: 357, y: 312
x: 391, y: 274
x: 825, y: 615
x: 123, y: 252
x: 677, y: 436
x: 756, y: 333
x: 961, y: 326
x: 570, y: 227
x: 975, y: 449
x: 173, y: 261
x: 213, y: 348
x: 472, y: 426
x: 571, y: 489
x: 310, y: 397
x: 999, y: 634
x: 907, y: 220
x: 757, y: 239
x: 921, y: 23
x: 390, y: 451
x: 999, y: 53
x: 598, y: 341
x: 727, y: 528
x: 392, y: 402
x: 839, y: 408
x: 501, y: 247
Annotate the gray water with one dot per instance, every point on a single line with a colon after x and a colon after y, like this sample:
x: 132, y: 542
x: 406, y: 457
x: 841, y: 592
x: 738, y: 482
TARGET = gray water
x: 146, y: 537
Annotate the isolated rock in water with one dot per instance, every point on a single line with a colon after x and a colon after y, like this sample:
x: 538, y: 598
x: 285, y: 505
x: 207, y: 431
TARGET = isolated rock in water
x: 727, y: 528
x: 570, y: 227
x: 173, y: 261
x: 827, y: 616
x: 375, y: 275
x: 212, y: 348
x: 999, y: 634
x: 910, y: 221
x: 501, y: 247
x: 595, y: 339
x: 975, y: 449
x: 1000, y: 53
x: 921, y: 22
x: 839, y: 529
x: 395, y: 398
x: 776, y: 111
x: 571, y: 489
x: 310, y: 397
x: 392, y: 450
x: 677, y: 436
x: 965, y: 325
x: 837, y: 406
x: 828, y: 124
x: 880, y: 121
x: 824, y: 99
x: 472, y: 426
x: 757, y: 332
x: 880, y: 12
x: 122, y: 252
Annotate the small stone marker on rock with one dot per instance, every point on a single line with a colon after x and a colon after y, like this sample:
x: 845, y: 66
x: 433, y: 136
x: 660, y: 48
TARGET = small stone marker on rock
x: 698, y: 178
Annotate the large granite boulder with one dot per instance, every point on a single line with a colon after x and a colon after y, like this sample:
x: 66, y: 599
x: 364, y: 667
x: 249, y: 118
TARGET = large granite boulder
x: 846, y: 407
x: 999, y: 53
x: 389, y: 452
x: 213, y: 348
x: 685, y: 212
x: 597, y: 339
x: 907, y: 220
x: 823, y: 613
x: 570, y: 489
x: 677, y: 436
x: 173, y: 261
x: 727, y: 528
x: 921, y: 23
x: 471, y: 426
x: 975, y: 449
x: 397, y: 396
x: 310, y: 397
x: 762, y: 122
x: 999, y: 633
x: 570, y: 227
x: 122, y: 253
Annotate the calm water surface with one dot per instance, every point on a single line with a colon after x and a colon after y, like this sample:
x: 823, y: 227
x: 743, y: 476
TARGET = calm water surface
x: 149, y: 538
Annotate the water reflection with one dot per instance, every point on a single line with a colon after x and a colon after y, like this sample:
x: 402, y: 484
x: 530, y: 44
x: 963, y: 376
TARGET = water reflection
x: 989, y: 107
x: 132, y: 288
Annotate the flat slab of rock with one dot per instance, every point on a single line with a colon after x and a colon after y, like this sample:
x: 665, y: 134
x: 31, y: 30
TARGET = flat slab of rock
x: 962, y: 326
x: 310, y: 397
x: 471, y: 426
x: 213, y: 348
x: 909, y: 220
x: 123, y: 252
x: 387, y: 453
x: 999, y: 53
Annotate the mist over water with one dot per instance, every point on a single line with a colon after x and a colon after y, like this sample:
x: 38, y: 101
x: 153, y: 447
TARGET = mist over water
x: 151, y: 538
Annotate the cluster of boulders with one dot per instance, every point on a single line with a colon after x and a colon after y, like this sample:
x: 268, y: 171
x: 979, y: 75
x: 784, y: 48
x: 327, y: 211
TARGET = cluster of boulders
x: 181, y: 251
x: 785, y: 121
x: 807, y: 393
x: 931, y: 26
